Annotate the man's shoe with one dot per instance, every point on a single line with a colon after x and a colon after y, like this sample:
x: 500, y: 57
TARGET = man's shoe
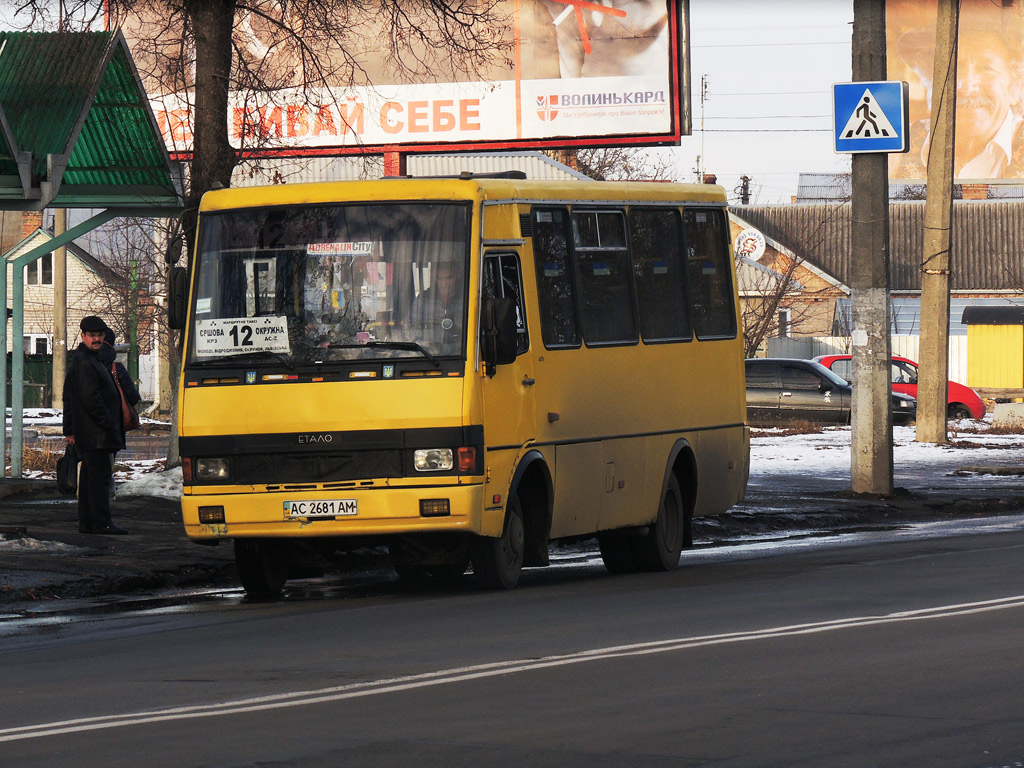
x: 110, y: 530
x: 83, y: 528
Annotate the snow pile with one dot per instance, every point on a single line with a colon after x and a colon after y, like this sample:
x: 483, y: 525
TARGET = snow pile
x: 162, y: 484
x: 24, y: 544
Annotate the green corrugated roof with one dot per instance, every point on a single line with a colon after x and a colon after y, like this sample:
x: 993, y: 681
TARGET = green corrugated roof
x: 77, y: 97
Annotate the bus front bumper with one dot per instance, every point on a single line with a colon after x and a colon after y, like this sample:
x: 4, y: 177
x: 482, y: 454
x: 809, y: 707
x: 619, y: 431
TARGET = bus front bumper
x: 366, y: 512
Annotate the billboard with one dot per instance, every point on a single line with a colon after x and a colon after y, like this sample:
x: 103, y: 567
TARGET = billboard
x: 990, y: 87
x: 562, y: 72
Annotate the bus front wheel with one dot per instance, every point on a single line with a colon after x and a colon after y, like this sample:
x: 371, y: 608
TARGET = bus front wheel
x: 497, y: 563
x: 262, y: 568
x: 617, y: 551
x: 660, y: 549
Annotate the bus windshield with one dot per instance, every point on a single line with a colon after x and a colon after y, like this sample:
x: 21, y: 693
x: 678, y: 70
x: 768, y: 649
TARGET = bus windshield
x: 332, y: 282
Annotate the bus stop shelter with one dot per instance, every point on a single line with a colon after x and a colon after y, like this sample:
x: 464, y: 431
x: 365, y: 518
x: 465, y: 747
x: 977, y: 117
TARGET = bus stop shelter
x: 76, y: 131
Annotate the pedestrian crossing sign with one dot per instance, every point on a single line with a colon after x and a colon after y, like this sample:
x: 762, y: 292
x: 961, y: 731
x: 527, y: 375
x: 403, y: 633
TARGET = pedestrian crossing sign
x: 871, y: 116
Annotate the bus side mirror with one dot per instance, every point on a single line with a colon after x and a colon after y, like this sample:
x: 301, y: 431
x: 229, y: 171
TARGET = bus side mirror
x: 499, y: 333
x: 177, y: 297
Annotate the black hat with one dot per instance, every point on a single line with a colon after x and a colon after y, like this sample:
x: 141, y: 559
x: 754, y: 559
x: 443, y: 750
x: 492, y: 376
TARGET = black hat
x: 92, y: 323
x: 109, y: 337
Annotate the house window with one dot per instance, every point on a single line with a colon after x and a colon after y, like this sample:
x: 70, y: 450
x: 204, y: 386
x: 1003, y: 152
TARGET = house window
x: 37, y: 344
x: 784, y: 323
x: 40, y: 271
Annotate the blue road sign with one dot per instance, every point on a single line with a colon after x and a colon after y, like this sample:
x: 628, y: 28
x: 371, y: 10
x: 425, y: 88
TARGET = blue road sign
x: 871, y: 116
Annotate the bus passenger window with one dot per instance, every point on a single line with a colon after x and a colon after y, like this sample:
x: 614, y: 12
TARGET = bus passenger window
x: 503, y: 280
x: 659, y: 270
x: 556, y: 295
x: 602, y: 264
x: 709, y: 273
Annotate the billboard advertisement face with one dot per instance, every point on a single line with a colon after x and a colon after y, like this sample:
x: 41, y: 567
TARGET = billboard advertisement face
x: 990, y: 87
x: 558, y: 70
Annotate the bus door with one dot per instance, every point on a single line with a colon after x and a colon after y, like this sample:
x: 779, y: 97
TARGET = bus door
x: 509, y: 401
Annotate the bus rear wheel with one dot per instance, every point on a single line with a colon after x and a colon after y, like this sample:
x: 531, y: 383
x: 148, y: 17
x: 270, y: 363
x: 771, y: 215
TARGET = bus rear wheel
x: 497, y: 563
x: 262, y: 568
x: 660, y: 549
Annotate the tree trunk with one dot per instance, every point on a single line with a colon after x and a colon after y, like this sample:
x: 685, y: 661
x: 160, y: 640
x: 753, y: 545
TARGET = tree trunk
x: 213, y: 157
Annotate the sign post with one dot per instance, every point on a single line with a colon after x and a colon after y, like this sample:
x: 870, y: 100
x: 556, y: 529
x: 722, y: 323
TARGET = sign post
x: 870, y: 120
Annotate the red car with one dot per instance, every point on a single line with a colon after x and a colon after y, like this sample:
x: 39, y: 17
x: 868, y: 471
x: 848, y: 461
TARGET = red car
x: 964, y: 402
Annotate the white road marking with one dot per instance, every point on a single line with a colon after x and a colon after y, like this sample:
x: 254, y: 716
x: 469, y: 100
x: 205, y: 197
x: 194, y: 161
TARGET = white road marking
x: 494, y: 669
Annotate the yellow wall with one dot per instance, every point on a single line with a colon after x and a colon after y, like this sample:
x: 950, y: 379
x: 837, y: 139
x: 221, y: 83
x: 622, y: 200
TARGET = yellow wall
x: 995, y: 356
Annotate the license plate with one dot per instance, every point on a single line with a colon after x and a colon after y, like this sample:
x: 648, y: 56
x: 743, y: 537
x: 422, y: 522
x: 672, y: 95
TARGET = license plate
x: 321, y: 508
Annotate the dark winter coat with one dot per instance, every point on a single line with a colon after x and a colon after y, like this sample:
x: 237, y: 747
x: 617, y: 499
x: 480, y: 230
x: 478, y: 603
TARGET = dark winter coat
x: 92, y: 412
x: 108, y: 357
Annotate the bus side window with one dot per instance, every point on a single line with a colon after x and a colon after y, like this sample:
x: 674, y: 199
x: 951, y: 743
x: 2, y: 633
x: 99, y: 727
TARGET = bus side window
x: 602, y: 266
x: 660, y: 273
x: 556, y: 295
x: 709, y: 273
x: 503, y: 280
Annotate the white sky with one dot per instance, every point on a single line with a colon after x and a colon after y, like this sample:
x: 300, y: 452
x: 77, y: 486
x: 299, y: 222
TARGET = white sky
x: 770, y: 66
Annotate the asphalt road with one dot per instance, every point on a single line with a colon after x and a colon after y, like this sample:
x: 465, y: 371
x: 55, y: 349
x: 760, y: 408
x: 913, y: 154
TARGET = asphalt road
x: 882, y: 651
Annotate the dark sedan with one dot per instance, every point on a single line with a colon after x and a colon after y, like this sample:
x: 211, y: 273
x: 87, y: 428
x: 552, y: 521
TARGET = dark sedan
x: 780, y: 389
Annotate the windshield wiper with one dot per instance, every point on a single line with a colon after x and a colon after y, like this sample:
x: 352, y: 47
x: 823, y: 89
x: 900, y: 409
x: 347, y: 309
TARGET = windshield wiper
x: 410, y: 345
x: 415, y: 346
x: 277, y: 356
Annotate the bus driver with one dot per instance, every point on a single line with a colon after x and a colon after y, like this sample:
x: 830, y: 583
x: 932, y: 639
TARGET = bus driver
x: 437, y: 311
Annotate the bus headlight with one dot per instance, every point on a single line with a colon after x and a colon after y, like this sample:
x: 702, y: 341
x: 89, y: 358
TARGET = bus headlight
x: 210, y: 469
x: 433, y: 459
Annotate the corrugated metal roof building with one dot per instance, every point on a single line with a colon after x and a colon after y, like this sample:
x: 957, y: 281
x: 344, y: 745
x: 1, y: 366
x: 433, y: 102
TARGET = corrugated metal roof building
x: 986, y: 255
x: 985, y: 261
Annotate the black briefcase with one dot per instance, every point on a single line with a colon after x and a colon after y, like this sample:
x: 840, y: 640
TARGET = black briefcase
x: 67, y: 472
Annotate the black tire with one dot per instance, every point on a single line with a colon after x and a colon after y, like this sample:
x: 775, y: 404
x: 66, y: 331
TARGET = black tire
x: 661, y: 548
x: 958, y: 411
x: 498, y: 563
x: 617, y: 551
x: 262, y: 568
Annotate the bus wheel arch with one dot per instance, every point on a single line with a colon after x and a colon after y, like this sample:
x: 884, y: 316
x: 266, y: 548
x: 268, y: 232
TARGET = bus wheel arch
x: 498, y: 562
x: 683, y: 465
x: 532, y: 484
x: 672, y: 530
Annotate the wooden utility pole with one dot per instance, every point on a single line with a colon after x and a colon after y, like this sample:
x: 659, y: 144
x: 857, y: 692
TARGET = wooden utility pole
x: 60, y: 310
x: 938, y: 215
x: 871, y: 439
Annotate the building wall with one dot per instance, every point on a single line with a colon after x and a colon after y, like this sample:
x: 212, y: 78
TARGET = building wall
x: 995, y: 358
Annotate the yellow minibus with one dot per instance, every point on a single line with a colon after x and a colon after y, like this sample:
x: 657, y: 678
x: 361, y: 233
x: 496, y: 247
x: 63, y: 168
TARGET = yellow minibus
x: 463, y: 370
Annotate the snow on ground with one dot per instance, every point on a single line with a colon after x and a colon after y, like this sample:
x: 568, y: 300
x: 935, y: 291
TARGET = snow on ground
x: 827, y: 454
x: 773, y: 455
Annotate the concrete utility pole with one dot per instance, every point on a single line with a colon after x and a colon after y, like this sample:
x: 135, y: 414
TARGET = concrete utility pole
x: 938, y: 215
x: 60, y: 310
x: 871, y: 439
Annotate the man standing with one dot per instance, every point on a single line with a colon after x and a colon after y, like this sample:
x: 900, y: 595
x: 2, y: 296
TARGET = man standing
x: 93, y: 424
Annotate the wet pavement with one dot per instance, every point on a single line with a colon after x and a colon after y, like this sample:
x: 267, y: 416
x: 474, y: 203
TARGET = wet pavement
x: 43, y: 557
